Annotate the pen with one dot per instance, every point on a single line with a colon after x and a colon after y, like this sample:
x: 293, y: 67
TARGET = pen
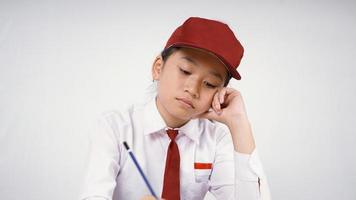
x: 140, y: 170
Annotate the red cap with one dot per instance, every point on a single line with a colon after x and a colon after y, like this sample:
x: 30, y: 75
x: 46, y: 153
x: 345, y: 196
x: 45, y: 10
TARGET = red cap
x: 212, y: 36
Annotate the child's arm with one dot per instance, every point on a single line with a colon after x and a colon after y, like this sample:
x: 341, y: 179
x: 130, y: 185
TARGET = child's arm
x: 103, y: 163
x: 242, y: 135
x: 229, y: 109
x: 249, y: 184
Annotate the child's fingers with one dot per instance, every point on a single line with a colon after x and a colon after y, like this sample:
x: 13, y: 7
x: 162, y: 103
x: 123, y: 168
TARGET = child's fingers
x: 230, y: 90
x: 215, y: 103
x: 222, y: 95
x: 227, y: 94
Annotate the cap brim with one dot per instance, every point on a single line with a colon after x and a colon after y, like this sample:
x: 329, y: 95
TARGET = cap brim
x: 234, y: 73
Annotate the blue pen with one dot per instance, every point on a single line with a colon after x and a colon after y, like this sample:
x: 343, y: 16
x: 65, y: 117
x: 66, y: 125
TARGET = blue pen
x: 140, y: 170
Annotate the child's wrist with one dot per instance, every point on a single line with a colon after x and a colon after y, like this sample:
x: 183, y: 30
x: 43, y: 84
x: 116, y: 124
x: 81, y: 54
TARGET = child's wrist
x: 241, y: 133
x: 237, y: 120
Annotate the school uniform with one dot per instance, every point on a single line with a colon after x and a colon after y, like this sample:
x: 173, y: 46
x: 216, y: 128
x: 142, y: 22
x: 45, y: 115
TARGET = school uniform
x: 208, y: 162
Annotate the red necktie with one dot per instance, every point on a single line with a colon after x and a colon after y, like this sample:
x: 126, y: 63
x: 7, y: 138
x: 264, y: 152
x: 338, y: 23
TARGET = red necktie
x: 171, y: 184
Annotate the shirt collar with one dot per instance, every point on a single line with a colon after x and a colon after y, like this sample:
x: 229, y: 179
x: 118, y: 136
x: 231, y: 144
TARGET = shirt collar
x: 153, y: 123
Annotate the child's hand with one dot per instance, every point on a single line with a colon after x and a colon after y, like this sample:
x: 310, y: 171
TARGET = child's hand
x: 227, y: 106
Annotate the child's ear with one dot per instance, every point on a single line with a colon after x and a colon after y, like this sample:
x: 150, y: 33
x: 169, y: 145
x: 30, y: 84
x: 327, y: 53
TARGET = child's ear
x: 157, y: 68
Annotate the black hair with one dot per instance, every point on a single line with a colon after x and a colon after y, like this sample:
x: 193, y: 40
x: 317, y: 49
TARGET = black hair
x: 169, y: 51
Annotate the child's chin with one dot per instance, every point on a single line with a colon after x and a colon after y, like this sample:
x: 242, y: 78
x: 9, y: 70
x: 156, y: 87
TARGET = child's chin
x: 195, y: 115
x: 183, y: 115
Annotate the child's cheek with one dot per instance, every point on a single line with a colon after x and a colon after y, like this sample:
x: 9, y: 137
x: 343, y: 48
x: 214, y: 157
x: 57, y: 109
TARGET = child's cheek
x: 208, y: 102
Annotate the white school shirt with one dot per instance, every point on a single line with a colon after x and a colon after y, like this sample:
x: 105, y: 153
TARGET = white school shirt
x: 112, y: 175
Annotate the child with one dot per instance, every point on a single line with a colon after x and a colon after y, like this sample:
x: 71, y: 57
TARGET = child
x: 192, y: 137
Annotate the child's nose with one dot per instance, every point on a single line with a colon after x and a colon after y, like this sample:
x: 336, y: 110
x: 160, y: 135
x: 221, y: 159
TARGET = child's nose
x: 193, y: 87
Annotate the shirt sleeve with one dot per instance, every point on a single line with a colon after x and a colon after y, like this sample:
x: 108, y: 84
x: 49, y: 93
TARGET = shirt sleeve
x: 250, y: 176
x: 103, y: 163
x: 237, y: 175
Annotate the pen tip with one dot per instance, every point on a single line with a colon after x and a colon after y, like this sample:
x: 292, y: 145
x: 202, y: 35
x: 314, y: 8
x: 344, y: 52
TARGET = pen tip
x: 126, y: 145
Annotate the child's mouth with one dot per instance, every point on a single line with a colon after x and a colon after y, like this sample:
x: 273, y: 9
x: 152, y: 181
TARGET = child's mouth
x: 186, y: 103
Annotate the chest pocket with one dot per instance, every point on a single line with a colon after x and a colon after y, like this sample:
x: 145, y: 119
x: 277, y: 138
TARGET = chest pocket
x: 202, y: 174
x: 203, y: 163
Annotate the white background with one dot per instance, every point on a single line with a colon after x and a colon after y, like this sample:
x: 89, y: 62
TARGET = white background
x: 64, y: 62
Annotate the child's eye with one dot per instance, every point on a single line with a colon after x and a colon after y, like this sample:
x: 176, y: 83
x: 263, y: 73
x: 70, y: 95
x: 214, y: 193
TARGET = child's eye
x: 210, y: 85
x: 184, y: 71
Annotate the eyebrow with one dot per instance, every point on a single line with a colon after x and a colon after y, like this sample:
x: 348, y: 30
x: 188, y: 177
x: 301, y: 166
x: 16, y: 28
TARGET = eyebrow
x: 195, y: 63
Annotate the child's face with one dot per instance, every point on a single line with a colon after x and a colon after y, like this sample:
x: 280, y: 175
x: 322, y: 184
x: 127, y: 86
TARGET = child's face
x: 187, y: 82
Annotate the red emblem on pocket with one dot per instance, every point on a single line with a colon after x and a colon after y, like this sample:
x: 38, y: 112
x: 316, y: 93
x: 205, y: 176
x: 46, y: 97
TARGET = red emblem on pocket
x: 203, y: 165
